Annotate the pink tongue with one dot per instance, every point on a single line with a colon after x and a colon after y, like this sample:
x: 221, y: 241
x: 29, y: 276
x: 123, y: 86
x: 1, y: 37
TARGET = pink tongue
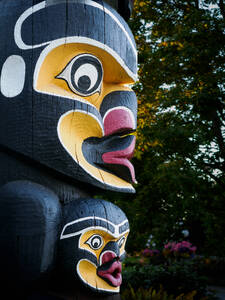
x: 122, y: 157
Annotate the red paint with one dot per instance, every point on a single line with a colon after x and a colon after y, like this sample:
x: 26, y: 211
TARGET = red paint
x: 118, y: 120
x: 122, y: 157
x: 107, y: 256
x: 113, y: 273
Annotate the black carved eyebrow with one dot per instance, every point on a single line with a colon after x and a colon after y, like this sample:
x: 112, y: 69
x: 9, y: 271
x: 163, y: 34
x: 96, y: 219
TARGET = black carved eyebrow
x: 124, y: 227
x: 89, y: 223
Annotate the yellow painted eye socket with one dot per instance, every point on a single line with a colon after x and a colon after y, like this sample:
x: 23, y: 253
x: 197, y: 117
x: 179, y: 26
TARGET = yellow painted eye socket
x: 83, y: 74
x: 121, y: 241
x: 95, y: 242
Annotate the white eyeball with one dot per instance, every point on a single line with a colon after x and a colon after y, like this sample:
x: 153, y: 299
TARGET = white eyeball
x: 95, y: 242
x: 83, y: 74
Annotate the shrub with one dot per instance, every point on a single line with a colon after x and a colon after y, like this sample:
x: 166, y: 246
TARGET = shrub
x: 177, y: 278
x: 211, y: 267
x: 152, y: 294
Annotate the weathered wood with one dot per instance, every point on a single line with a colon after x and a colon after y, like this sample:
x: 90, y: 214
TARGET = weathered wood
x: 93, y: 239
x: 66, y: 117
x: 30, y: 220
x: 69, y: 294
x: 45, y: 115
x: 82, y: 242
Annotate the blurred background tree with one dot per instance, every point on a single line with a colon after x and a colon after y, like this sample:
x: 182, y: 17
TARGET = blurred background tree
x: 180, y: 153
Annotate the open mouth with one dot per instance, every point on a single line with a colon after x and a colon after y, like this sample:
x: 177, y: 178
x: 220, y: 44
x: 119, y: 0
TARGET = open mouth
x: 111, y: 272
x: 122, y: 158
x: 112, y: 153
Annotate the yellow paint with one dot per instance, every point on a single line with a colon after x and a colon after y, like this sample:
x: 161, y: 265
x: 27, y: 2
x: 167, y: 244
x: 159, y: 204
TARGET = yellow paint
x: 86, y: 269
x: 115, y: 77
x: 73, y: 129
x: 88, y: 274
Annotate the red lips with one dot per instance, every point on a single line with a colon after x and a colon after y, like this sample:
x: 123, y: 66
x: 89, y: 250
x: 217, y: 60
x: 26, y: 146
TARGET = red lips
x: 117, y: 121
x: 122, y: 157
x: 111, y: 269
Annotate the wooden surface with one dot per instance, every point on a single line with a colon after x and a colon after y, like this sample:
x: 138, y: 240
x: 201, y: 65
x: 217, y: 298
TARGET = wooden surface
x: 77, y: 293
x: 72, y: 295
x: 79, y: 243
x: 38, y: 97
x: 66, y: 114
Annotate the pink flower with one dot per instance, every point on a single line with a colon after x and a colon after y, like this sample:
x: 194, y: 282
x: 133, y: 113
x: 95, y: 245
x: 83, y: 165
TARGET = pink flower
x: 148, y: 252
x: 181, y: 247
x: 170, y: 246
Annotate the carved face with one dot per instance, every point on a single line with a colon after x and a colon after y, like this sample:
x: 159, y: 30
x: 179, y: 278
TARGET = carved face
x: 92, y: 246
x: 81, y: 59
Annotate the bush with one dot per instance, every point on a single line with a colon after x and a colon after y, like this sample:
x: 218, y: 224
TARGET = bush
x: 211, y: 267
x: 177, y: 278
x: 151, y: 294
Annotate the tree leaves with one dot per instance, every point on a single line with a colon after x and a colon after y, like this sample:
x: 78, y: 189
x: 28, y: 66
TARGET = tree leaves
x: 180, y: 158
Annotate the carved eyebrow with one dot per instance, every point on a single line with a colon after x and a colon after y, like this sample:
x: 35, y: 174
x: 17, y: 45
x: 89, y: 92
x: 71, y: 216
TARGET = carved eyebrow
x: 79, y: 226
x: 124, y: 227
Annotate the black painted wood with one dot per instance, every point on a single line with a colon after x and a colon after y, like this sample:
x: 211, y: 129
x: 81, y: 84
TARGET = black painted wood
x: 124, y: 7
x: 29, y: 120
x: 30, y: 220
x: 15, y: 167
x: 39, y: 242
x: 80, y: 217
x: 69, y: 294
x: 40, y: 184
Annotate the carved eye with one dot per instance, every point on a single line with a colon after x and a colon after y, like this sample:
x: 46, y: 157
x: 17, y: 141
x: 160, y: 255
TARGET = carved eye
x: 95, y: 242
x: 121, y: 241
x: 83, y: 75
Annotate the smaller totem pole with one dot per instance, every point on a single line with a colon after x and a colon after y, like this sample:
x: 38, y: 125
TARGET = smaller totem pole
x: 67, y: 115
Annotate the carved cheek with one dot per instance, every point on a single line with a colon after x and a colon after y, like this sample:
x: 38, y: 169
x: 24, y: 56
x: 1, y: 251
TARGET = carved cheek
x: 72, y: 132
x: 87, y: 273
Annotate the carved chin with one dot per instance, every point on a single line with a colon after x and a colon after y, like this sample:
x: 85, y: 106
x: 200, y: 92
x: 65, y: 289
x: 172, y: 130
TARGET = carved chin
x: 77, y: 127
x: 88, y: 274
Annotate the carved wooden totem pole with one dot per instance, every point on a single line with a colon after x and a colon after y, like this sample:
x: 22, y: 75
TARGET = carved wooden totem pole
x: 67, y: 114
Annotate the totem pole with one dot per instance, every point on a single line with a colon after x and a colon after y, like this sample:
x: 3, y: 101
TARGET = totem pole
x: 67, y: 114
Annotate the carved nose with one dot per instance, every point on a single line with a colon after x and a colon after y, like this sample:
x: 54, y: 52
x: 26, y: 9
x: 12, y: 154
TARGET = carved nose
x: 107, y: 256
x: 110, y: 251
x: 117, y: 120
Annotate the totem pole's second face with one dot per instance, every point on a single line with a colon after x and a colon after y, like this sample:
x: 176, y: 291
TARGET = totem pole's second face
x: 93, y: 244
x: 65, y: 96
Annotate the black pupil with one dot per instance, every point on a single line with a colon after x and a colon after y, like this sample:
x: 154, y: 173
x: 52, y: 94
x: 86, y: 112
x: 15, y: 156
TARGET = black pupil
x: 96, y: 242
x: 84, y: 82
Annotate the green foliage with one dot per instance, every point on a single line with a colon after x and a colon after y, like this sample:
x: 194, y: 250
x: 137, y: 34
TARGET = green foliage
x: 180, y: 153
x: 177, y: 278
x: 151, y: 294
x: 211, y: 267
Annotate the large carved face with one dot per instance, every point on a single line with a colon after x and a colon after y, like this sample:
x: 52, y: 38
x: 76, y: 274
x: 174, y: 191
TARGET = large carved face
x: 66, y: 100
x: 92, y: 243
